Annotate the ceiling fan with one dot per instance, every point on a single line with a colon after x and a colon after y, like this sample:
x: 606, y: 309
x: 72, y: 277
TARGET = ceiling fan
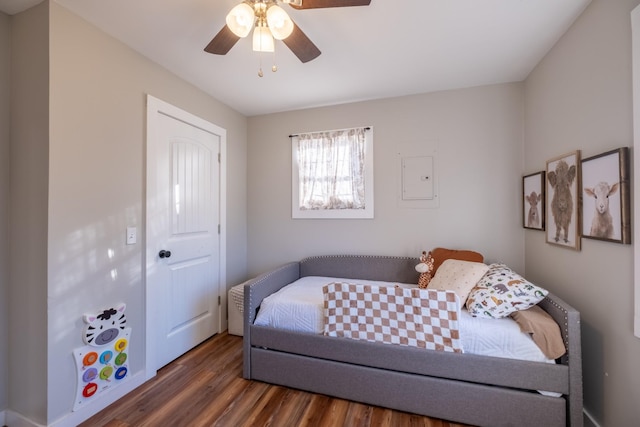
x: 271, y: 21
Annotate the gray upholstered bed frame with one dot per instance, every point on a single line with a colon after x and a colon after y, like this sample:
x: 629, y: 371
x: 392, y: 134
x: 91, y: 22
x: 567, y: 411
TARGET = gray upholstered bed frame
x: 464, y: 388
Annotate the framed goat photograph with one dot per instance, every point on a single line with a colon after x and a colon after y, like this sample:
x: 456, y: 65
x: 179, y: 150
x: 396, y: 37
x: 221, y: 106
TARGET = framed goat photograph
x: 562, y: 201
x: 533, y: 201
x: 605, y: 197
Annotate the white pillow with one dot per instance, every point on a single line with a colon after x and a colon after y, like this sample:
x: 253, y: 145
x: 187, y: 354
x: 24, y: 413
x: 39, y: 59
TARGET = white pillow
x: 458, y: 276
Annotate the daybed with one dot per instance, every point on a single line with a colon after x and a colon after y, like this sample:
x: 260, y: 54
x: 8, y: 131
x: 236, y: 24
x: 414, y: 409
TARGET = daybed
x: 460, y: 387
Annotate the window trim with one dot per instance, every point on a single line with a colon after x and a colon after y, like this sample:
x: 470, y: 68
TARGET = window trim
x: 366, y: 213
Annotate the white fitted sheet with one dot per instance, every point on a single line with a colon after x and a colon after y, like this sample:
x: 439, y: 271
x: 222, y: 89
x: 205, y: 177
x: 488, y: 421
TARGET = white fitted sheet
x: 299, y: 307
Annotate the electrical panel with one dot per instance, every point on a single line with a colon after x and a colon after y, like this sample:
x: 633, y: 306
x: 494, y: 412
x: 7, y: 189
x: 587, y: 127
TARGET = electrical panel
x: 417, y: 178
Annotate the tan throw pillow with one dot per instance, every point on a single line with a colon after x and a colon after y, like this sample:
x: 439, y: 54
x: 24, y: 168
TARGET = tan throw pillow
x: 458, y: 276
x: 440, y: 255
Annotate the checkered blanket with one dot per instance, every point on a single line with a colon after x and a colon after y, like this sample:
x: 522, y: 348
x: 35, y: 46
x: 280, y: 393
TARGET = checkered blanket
x: 423, y: 318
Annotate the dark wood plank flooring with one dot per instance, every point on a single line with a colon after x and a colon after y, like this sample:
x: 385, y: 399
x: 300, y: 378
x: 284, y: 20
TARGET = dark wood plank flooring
x: 205, y: 387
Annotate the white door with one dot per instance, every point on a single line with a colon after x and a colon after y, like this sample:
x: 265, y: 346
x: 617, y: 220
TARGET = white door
x: 183, y: 226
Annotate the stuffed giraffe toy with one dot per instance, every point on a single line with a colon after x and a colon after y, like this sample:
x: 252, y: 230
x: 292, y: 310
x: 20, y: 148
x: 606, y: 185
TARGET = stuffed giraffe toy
x: 425, y: 268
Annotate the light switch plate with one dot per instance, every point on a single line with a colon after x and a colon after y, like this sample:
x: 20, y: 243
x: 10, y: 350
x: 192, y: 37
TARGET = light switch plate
x: 132, y: 235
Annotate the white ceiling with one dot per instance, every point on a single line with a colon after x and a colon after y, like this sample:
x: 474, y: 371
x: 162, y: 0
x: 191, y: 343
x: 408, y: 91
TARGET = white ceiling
x: 390, y: 48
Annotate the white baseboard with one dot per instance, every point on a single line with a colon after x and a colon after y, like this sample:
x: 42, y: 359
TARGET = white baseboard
x: 14, y: 419
x: 72, y: 419
x: 590, y: 419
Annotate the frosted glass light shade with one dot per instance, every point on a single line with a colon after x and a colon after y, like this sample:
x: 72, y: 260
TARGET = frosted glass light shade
x: 240, y: 20
x: 262, y: 39
x: 280, y: 24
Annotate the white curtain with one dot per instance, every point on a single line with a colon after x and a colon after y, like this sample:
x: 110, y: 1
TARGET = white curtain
x: 331, y: 169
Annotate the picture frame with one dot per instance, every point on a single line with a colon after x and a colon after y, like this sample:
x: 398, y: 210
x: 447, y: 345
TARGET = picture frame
x: 562, y: 205
x: 533, y: 203
x: 606, y: 210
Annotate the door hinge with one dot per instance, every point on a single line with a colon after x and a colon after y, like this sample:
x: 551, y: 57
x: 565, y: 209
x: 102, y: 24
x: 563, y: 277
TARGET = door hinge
x: 218, y: 228
x: 219, y: 300
x: 219, y: 157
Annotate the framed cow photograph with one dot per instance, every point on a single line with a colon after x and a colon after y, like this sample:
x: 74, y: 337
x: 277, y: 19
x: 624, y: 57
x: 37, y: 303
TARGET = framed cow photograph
x: 562, y: 204
x: 605, y: 197
x: 533, y: 201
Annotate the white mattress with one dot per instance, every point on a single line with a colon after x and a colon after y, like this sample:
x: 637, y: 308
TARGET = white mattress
x: 299, y: 307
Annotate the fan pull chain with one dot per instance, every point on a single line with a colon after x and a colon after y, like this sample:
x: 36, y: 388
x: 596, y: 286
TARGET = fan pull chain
x: 274, y: 67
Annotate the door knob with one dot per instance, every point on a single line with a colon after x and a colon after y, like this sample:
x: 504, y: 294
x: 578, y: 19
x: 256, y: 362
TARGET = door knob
x: 164, y: 254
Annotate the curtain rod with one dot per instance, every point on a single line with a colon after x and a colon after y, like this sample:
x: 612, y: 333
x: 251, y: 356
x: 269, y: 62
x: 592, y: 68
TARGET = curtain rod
x: 295, y: 135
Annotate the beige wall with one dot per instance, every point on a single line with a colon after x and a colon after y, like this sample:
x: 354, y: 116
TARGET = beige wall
x: 28, y: 212
x: 77, y: 180
x: 98, y: 116
x: 580, y: 97
x: 5, y: 55
x: 477, y: 134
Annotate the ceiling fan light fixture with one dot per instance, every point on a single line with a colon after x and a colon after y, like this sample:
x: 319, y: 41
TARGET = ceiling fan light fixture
x: 262, y: 39
x: 240, y: 19
x: 280, y: 24
x: 271, y: 21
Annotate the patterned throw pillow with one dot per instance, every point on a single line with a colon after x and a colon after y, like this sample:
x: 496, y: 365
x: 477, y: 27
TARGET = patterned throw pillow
x: 458, y: 276
x: 501, y: 292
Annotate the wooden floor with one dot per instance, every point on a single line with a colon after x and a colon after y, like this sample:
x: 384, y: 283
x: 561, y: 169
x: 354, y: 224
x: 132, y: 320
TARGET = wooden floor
x: 205, y: 388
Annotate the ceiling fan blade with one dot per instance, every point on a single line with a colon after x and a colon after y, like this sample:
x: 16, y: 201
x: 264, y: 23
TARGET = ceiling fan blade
x: 301, y: 45
x: 317, y: 4
x: 222, y: 42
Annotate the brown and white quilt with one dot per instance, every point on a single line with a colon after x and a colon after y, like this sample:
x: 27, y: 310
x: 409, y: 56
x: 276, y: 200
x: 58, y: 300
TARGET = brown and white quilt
x: 422, y: 318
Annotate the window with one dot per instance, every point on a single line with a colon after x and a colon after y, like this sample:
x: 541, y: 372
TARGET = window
x: 332, y: 174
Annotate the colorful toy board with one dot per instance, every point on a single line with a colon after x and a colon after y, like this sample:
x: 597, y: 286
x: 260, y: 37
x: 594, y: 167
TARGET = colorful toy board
x: 103, y: 362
